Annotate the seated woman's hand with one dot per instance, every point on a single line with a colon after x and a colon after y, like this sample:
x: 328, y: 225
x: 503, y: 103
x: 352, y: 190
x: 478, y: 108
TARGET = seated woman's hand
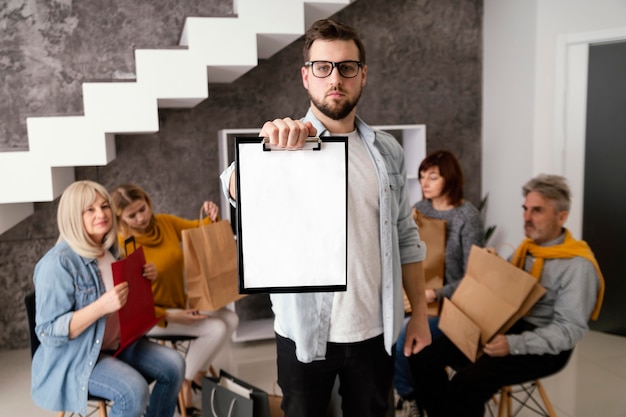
x: 431, y: 296
x: 114, y: 299
x: 149, y: 271
x: 211, y: 209
x: 185, y: 317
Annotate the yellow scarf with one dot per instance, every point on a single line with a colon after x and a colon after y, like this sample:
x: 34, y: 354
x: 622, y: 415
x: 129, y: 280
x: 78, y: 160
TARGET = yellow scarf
x: 566, y: 250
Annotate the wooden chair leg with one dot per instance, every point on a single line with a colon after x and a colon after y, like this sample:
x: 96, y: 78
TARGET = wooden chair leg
x: 181, y: 404
x: 546, y: 400
x: 509, y: 403
x: 102, y: 409
x: 505, y: 401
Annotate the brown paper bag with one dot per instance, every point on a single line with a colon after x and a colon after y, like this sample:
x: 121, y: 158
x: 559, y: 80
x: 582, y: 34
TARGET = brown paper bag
x: 275, y: 399
x: 433, y: 233
x: 210, y: 257
x: 491, y: 297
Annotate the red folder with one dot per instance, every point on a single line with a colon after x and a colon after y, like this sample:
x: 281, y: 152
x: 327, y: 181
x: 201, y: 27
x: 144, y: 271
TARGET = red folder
x: 137, y: 316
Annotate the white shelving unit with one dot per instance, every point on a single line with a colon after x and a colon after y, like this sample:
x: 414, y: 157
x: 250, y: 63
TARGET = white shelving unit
x: 413, y: 140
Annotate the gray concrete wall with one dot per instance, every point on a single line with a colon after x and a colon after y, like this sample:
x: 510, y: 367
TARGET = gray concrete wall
x: 424, y: 58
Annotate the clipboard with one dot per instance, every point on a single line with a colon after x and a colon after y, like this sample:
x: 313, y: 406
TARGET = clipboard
x: 292, y: 210
x: 137, y: 316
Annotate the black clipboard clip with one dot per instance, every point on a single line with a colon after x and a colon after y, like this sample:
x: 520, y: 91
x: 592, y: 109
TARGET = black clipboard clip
x: 311, y: 140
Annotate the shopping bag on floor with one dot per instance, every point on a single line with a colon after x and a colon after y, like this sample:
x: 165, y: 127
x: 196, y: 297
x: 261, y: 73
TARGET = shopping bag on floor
x: 229, y: 396
x: 210, y: 259
x: 433, y: 234
x: 275, y: 400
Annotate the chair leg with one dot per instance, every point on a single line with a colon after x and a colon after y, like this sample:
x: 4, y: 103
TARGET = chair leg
x: 546, y: 400
x: 505, y: 401
x: 181, y: 404
x: 509, y: 403
x: 102, y: 409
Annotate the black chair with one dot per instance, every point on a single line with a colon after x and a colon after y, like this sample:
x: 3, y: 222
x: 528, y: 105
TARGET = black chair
x: 95, y: 404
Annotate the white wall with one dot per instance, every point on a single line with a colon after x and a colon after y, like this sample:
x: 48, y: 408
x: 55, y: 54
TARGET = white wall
x: 520, y: 97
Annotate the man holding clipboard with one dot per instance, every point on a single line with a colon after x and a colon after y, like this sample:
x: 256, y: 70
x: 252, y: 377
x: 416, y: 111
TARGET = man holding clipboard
x: 350, y: 334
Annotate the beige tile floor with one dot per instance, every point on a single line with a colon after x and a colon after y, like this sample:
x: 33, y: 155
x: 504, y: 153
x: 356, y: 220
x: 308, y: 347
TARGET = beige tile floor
x: 592, y: 385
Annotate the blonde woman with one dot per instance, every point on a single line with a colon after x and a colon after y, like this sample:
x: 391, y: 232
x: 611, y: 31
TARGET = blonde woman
x: 77, y: 321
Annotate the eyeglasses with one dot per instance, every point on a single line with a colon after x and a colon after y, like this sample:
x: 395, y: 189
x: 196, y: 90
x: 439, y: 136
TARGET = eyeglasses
x: 323, y: 69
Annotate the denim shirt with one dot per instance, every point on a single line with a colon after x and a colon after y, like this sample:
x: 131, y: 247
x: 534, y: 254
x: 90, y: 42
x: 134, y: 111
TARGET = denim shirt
x: 64, y: 283
x: 305, y: 317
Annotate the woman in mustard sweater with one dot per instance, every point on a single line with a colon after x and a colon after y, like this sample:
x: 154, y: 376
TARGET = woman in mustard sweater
x: 160, y: 236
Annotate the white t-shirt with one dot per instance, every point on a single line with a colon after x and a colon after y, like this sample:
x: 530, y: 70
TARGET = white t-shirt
x: 357, y: 313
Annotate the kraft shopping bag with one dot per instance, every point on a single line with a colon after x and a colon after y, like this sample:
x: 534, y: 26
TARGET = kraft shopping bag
x: 210, y: 259
x: 491, y: 297
x: 275, y: 401
x: 433, y: 234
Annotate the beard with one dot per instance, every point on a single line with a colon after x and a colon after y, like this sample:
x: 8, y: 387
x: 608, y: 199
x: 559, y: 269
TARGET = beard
x: 335, y: 111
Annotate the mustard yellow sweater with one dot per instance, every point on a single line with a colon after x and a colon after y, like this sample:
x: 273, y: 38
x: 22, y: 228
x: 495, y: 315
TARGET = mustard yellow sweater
x: 162, y: 247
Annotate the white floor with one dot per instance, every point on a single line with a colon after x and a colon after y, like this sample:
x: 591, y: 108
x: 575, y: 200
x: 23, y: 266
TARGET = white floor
x: 592, y: 385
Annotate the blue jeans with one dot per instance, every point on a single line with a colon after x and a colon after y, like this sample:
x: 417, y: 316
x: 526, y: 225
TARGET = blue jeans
x: 124, y: 380
x: 403, y: 379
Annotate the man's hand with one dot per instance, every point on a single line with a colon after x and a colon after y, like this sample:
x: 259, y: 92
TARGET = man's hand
x: 283, y: 133
x: 417, y: 336
x: 287, y: 133
x: 498, y: 346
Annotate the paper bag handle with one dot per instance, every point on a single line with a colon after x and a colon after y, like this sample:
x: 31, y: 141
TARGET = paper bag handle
x: 230, y: 408
x: 126, y: 242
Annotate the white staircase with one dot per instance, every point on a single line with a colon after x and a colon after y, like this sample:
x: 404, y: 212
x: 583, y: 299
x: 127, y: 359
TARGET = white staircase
x: 218, y: 50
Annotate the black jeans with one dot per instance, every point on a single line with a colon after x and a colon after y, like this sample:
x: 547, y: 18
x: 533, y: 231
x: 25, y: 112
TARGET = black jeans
x: 365, y: 372
x: 474, y: 383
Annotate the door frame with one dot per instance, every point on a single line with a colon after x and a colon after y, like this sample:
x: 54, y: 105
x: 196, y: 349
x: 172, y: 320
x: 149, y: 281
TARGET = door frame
x: 571, y: 112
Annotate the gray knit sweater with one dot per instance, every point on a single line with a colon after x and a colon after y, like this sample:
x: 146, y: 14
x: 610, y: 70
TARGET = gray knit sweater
x: 562, y: 314
x: 464, y: 228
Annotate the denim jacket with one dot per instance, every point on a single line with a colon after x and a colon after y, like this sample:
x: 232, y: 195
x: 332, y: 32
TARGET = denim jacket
x: 305, y: 317
x: 64, y: 283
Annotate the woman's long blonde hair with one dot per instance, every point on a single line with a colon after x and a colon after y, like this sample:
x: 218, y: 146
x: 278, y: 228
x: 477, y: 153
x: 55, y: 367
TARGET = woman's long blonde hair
x: 75, y: 199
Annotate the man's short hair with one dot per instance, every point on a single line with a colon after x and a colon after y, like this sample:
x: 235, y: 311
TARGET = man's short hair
x: 551, y: 187
x: 331, y: 30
